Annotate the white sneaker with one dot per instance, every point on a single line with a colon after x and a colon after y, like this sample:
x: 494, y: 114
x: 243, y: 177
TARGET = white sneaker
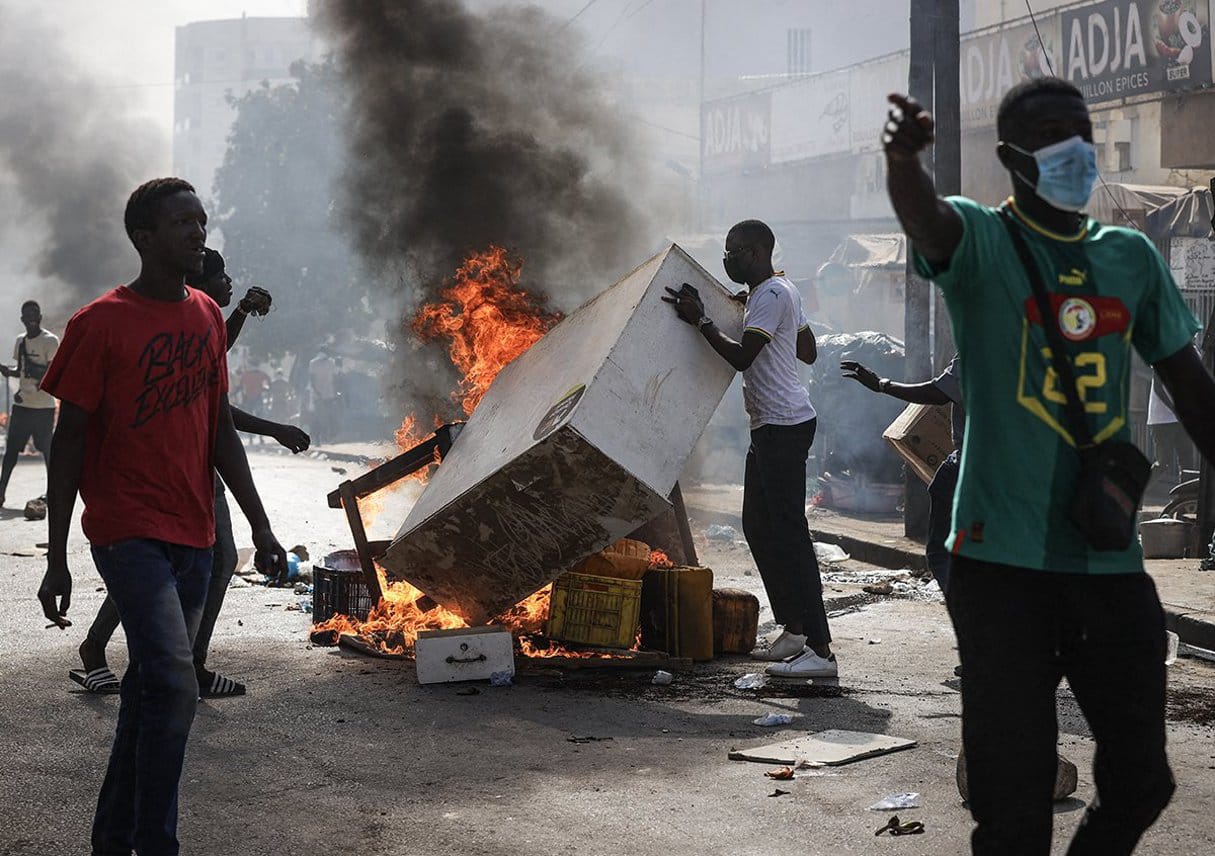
x: 786, y: 645
x: 807, y: 665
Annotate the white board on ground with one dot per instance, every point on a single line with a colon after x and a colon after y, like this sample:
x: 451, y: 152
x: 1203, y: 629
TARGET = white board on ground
x: 832, y: 748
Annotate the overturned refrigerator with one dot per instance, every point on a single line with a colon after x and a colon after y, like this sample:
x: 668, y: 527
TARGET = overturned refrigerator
x: 577, y: 443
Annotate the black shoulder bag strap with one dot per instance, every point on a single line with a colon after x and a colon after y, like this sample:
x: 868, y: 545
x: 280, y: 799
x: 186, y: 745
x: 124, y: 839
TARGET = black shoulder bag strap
x: 1058, y: 354
x: 1113, y: 474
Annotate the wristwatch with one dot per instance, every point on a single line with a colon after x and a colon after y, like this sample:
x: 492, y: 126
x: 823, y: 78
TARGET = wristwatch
x: 884, y: 385
x: 704, y: 321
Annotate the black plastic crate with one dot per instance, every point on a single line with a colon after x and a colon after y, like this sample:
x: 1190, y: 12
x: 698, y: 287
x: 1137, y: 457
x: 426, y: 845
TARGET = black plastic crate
x: 338, y: 588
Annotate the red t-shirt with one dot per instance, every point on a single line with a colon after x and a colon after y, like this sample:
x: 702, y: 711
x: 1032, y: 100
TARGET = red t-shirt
x: 152, y: 375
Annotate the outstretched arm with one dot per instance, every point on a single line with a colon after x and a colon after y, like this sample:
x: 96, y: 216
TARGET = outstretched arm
x: 233, y: 468
x: 912, y: 393
x: 255, y: 302
x: 290, y: 436
x: 691, y: 309
x: 934, y: 228
x: 1193, y: 391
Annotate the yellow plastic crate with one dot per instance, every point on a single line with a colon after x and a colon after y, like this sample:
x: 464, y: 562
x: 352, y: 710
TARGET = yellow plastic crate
x: 592, y: 610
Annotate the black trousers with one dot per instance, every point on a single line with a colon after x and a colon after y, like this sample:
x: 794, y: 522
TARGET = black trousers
x: 1019, y: 632
x: 774, y: 521
x: 24, y: 423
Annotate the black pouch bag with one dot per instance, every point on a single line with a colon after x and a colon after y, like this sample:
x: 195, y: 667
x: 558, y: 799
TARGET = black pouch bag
x: 1113, y: 474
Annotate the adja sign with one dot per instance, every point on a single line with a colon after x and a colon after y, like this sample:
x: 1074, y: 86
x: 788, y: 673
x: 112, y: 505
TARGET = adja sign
x: 737, y: 132
x: 1120, y: 48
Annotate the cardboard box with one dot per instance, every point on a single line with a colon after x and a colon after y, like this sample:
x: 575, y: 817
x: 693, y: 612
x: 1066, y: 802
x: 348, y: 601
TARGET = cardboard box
x: 576, y: 444
x: 923, y: 437
x: 463, y: 654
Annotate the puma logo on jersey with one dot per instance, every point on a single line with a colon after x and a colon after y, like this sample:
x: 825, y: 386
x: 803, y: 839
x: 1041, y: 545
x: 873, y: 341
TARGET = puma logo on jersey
x: 1075, y: 278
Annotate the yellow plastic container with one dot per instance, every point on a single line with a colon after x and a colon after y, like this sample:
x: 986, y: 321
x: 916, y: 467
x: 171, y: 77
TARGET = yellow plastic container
x: 593, y: 610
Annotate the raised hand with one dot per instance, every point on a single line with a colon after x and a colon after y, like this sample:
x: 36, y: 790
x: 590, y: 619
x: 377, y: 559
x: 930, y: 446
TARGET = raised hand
x: 909, y: 128
x: 256, y: 301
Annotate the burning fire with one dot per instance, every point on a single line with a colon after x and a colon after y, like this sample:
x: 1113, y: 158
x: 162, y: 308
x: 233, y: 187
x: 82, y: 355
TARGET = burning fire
x: 660, y: 560
x: 486, y: 319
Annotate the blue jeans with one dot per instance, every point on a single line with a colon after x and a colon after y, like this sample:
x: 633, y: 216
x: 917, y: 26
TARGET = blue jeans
x: 159, y: 589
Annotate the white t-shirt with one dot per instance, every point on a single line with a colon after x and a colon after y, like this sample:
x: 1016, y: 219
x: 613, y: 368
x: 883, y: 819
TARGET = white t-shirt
x: 773, y: 391
x: 31, y: 366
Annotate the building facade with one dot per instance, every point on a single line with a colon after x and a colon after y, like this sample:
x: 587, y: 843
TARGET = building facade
x: 219, y: 60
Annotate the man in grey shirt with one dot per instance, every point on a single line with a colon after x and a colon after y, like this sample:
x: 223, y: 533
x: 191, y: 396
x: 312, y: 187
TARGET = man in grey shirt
x: 775, y: 338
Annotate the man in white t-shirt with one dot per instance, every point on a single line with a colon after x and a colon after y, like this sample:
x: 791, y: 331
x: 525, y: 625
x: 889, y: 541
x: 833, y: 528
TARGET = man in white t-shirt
x: 775, y: 338
x: 33, y: 413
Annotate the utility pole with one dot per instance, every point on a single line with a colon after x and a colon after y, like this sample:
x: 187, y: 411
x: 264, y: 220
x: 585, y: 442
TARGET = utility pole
x: 933, y: 81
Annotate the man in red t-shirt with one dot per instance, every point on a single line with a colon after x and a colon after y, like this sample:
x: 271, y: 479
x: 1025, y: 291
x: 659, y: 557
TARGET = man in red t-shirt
x: 144, y: 423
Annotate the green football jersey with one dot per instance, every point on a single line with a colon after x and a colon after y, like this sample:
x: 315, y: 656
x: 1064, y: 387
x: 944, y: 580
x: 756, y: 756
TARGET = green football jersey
x: 1110, y: 291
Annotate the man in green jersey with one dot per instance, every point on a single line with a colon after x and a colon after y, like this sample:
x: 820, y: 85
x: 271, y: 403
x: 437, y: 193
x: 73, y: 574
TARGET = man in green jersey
x: 1031, y: 602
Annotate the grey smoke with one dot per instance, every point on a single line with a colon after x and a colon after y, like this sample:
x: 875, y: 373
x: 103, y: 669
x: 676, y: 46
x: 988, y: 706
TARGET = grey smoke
x: 70, y: 154
x: 472, y: 129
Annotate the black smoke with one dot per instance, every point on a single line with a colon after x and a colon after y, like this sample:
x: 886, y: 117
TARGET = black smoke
x: 70, y: 154
x: 471, y: 129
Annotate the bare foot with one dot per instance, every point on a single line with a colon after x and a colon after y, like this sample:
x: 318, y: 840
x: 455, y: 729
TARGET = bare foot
x: 91, y: 656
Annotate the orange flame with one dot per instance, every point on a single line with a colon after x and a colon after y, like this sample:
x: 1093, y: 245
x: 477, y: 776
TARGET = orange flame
x: 486, y: 319
x: 660, y: 560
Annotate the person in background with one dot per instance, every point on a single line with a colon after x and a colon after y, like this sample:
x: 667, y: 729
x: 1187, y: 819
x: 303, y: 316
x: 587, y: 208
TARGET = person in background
x: 943, y: 389
x: 1031, y: 599
x: 95, y: 674
x: 322, y: 377
x: 776, y: 337
x: 33, y: 411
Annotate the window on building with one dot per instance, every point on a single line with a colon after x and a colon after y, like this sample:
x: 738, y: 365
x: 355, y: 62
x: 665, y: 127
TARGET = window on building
x: 798, y: 51
x: 1122, y: 156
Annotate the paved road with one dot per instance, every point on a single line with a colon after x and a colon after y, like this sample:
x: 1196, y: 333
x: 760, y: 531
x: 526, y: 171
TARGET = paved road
x: 333, y: 753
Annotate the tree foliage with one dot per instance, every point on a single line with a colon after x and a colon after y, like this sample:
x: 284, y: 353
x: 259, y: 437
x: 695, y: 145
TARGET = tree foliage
x: 276, y: 206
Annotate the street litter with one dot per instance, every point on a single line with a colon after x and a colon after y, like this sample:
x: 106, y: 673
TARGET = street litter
x: 875, y: 641
x: 897, y: 802
x: 501, y: 679
x: 780, y: 773
x: 751, y: 681
x: 35, y: 509
x: 894, y: 827
x: 885, y: 587
x: 778, y: 793
x: 662, y: 678
x: 832, y: 748
x: 468, y: 691
x: 717, y: 532
x: 1172, y: 647
x: 574, y: 738
x: 830, y: 553
x: 769, y: 720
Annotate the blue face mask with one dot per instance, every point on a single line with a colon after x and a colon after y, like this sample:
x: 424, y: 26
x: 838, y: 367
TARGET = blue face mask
x: 1067, y: 172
